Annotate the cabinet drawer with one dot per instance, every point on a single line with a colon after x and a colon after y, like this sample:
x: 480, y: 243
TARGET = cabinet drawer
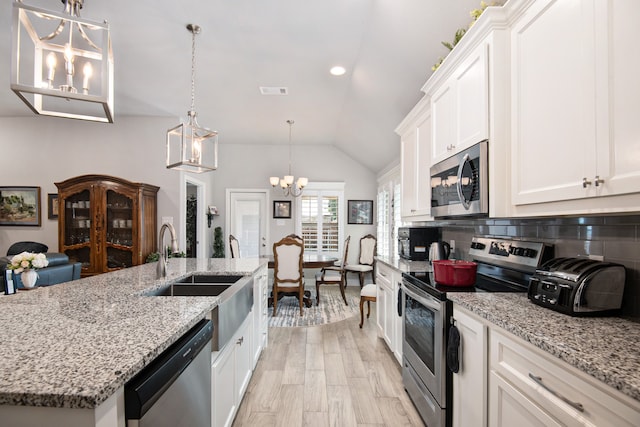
x: 557, y: 387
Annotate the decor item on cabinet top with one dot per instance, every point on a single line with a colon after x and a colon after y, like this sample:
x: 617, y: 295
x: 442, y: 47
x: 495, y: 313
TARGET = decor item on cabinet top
x: 475, y: 14
x: 26, y: 263
x: 62, y: 65
x: 286, y: 183
x: 190, y: 147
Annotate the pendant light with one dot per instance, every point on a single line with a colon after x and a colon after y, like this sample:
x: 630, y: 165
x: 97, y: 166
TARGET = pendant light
x: 61, y: 64
x: 286, y: 183
x: 190, y: 147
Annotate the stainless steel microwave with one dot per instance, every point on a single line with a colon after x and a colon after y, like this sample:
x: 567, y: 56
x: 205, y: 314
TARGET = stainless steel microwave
x: 460, y: 184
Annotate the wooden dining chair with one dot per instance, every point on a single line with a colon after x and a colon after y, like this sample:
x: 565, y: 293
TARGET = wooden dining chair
x: 287, y: 270
x: 368, y: 294
x: 366, y: 259
x: 335, y: 275
x: 234, y: 245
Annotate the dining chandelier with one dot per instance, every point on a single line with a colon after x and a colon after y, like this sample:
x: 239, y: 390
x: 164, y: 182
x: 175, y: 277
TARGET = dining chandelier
x: 61, y: 64
x: 190, y: 147
x: 287, y: 183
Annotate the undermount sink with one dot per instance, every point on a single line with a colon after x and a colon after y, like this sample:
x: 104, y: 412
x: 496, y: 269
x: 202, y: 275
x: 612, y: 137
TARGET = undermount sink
x: 235, y: 294
x: 200, y: 285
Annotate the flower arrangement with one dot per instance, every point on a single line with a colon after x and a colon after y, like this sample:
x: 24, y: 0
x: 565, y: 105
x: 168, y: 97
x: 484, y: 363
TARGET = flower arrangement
x: 27, y: 261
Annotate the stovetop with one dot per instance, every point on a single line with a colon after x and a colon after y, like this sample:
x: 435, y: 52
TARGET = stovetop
x: 503, y: 266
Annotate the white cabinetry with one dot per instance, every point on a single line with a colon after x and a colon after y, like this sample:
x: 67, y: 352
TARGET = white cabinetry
x: 389, y: 323
x: 415, y: 162
x: 470, y: 382
x: 575, y: 102
x: 528, y: 387
x: 260, y: 313
x: 230, y: 374
x: 460, y: 106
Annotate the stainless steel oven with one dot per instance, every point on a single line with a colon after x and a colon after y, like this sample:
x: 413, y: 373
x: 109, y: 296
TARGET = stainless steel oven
x: 459, y: 184
x: 502, y: 266
x: 423, y: 350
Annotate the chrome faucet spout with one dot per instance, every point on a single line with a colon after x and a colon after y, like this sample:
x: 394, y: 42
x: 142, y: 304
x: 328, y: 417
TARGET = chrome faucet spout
x: 162, y: 250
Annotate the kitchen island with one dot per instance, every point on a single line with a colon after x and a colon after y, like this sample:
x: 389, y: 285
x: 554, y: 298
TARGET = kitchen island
x: 70, y: 348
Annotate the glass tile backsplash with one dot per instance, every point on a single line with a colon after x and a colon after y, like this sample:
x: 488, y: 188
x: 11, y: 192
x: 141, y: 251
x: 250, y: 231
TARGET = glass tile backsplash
x: 616, y: 238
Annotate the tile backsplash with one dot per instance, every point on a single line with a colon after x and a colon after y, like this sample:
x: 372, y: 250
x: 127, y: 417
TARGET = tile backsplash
x: 616, y: 238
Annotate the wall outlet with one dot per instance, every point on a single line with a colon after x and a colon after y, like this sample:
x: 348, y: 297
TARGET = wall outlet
x: 452, y: 243
x: 167, y: 220
x: 596, y: 257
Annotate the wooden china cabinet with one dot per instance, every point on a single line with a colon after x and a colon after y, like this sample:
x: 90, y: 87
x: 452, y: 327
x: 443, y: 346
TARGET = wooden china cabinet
x: 106, y: 223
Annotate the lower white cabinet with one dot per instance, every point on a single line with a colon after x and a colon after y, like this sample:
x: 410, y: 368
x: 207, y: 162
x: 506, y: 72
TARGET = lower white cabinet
x: 470, y: 382
x: 260, y: 313
x: 389, y: 323
x: 505, y: 381
x: 528, y: 387
x: 231, y: 371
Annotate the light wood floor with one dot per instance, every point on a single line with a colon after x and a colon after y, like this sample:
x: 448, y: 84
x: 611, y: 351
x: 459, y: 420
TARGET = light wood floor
x: 330, y: 375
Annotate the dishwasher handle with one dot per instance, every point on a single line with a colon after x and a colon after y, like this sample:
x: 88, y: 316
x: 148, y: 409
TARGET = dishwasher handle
x: 400, y: 302
x: 143, y: 390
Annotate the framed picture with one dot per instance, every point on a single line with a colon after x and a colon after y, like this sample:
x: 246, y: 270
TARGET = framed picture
x: 52, y: 205
x: 282, y: 209
x: 20, y: 206
x: 360, y: 212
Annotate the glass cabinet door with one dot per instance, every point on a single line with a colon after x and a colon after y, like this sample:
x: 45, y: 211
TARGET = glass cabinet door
x: 120, y: 230
x: 77, y: 230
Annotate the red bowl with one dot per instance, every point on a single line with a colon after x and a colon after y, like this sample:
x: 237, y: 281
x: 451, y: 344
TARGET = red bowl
x: 455, y: 272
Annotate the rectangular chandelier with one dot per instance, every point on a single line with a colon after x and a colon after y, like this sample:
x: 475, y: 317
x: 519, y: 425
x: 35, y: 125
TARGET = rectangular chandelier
x: 192, y: 148
x: 61, y: 64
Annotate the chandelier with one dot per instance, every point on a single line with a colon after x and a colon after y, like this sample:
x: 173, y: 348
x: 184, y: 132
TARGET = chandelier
x: 61, y: 64
x: 286, y: 183
x: 191, y: 147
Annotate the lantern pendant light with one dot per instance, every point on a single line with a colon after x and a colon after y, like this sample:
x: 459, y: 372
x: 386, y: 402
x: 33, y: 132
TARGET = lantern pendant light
x: 190, y: 147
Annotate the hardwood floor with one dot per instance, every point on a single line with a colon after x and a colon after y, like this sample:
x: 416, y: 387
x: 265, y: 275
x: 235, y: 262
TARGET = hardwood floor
x: 329, y: 375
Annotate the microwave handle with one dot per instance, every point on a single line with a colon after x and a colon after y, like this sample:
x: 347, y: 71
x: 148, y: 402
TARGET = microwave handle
x: 466, y: 203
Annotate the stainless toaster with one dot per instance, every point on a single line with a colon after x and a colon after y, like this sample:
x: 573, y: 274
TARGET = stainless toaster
x: 578, y: 286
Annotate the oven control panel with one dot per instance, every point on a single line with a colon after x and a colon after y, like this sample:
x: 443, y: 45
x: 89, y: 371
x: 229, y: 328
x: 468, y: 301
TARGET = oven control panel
x: 504, y: 251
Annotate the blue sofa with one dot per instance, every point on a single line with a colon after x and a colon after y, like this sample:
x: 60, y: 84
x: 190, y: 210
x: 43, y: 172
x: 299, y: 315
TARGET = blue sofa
x: 59, y: 269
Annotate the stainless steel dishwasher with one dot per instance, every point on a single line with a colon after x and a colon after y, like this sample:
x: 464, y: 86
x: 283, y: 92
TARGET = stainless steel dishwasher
x: 175, y: 389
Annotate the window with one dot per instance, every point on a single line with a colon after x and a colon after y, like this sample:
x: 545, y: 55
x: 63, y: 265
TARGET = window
x: 389, y: 215
x: 320, y: 219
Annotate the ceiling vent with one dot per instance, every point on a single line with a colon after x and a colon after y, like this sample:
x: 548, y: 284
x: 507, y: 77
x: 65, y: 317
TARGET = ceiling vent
x: 271, y: 90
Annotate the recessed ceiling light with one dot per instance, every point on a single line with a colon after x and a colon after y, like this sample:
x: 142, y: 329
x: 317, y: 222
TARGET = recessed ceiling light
x: 337, y: 70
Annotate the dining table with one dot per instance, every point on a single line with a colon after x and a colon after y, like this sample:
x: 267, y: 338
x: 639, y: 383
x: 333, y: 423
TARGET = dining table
x: 312, y: 260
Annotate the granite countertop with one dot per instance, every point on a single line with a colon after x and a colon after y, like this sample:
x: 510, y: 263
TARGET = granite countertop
x: 75, y: 344
x: 607, y: 348
x: 403, y: 265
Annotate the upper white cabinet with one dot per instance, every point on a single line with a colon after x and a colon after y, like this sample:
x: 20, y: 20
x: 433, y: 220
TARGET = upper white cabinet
x: 575, y: 104
x: 460, y: 106
x: 415, y: 143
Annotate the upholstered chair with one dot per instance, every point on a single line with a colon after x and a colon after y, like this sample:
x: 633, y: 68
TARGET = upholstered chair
x: 287, y: 272
x: 366, y: 260
x: 234, y: 245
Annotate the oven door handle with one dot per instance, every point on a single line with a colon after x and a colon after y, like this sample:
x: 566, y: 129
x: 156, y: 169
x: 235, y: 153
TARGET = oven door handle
x: 421, y: 297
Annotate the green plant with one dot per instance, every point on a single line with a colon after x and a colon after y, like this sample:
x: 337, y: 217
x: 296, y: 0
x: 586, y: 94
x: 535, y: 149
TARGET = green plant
x: 218, y: 243
x: 475, y: 14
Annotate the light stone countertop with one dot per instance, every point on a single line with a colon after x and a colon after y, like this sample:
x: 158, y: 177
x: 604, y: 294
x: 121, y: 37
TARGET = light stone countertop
x: 403, y: 265
x: 607, y: 348
x: 75, y: 344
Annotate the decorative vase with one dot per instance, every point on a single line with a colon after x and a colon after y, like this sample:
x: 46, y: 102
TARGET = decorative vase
x: 29, y: 278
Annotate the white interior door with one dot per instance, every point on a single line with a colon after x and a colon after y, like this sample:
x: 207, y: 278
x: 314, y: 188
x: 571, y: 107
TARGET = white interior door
x: 247, y: 221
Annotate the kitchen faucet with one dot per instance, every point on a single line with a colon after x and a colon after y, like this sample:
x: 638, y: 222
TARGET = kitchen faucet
x: 164, y: 256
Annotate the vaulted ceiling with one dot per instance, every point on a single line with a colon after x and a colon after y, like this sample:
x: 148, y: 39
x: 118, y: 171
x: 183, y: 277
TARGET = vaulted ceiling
x: 386, y: 46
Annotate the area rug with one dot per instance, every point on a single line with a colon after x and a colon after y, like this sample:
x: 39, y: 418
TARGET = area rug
x: 331, y: 308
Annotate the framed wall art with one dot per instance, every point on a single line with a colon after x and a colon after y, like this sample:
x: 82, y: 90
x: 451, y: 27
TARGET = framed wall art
x: 52, y: 205
x: 360, y: 212
x: 282, y: 209
x: 20, y: 206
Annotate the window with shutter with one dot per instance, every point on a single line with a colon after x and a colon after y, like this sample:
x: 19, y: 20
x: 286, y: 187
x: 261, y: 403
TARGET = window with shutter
x: 319, y: 221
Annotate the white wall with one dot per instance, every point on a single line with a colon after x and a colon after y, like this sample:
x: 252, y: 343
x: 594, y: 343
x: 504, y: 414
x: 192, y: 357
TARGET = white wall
x: 39, y: 151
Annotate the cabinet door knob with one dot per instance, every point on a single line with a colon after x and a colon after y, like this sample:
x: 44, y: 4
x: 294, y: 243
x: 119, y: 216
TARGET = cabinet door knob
x: 598, y: 181
x: 585, y: 182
